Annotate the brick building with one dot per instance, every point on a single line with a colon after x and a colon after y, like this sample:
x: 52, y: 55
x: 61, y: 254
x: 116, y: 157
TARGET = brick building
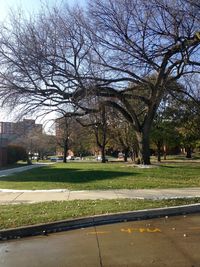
x: 12, y: 130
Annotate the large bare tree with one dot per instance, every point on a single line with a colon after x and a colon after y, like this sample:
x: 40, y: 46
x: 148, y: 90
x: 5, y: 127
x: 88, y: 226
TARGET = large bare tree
x: 43, y: 60
x: 142, y: 47
x: 128, y: 53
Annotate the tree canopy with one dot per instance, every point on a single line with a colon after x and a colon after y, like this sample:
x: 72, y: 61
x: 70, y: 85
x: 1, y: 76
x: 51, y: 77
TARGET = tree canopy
x: 66, y: 58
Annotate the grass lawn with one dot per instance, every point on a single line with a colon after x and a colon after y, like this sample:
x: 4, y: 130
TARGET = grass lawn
x: 82, y: 176
x: 12, y: 216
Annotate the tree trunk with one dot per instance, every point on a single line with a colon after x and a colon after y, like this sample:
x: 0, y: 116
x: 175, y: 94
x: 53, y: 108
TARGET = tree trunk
x: 188, y: 152
x: 159, y: 151
x: 165, y: 152
x: 103, y: 154
x: 29, y: 161
x: 65, y: 151
x: 104, y: 134
x: 126, y: 155
x: 144, y: 147
x: 135, y: 155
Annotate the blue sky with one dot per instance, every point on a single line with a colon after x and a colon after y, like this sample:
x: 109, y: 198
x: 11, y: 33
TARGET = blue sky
x: 29, y: 6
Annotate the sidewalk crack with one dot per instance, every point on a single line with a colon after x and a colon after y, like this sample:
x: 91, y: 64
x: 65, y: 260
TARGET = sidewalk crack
x: 98, y: 245
x: 68, y: 195
x: 17, y: 196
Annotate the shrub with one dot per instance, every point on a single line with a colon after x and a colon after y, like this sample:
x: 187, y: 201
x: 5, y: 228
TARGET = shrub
x: 16, y: 153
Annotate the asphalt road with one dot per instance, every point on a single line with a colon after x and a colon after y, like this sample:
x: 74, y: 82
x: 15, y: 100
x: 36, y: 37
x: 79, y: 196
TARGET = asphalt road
x: 169, y: 241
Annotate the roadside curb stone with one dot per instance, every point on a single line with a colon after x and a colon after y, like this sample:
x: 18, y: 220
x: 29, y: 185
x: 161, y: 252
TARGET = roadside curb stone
x: 66, y: 225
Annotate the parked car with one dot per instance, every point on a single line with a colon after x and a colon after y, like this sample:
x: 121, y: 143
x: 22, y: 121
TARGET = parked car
x: 56, y: 159
x: 99, y: 158
x: 59, y: 159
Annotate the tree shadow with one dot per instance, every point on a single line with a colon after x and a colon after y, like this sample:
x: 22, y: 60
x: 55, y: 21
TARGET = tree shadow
x: 167, y: 166
x: 64, y: 175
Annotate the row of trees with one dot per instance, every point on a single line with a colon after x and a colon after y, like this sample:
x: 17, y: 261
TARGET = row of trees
x: 174, y: 129
x: 123, y: 54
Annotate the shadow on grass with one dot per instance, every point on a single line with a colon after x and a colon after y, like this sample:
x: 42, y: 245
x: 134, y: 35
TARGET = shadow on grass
x: 168, y: 167
x: 63, y: 175
x: 178, y: 165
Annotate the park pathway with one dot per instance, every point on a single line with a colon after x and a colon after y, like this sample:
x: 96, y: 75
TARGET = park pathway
x: 7, y: 172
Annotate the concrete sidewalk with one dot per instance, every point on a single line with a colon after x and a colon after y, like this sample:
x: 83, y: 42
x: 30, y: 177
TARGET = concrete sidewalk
x: 7, y: 172
x: 34, y: 196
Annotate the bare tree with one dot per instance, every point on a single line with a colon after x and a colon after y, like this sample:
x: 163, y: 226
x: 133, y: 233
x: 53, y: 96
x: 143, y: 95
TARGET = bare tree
x: 64, y: 131
x: 61, y: 60
x: 100, y: 130
x: 122, y: 135
x: 135, y: 40
x: 97, y: 124
x: 43, y: 61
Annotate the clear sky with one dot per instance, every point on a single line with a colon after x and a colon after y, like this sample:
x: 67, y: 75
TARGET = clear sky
x: 29, y: 6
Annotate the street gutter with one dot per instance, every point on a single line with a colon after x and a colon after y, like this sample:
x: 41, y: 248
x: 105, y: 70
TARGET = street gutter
x: 66, y: 225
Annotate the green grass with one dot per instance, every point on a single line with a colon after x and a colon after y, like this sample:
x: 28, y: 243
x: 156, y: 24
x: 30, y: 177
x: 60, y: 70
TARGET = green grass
x: 179, y: 157
x: 82, y: 176
x: 12, y: 216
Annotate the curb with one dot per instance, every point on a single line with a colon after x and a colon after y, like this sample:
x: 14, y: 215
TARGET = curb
x: 66, y: 225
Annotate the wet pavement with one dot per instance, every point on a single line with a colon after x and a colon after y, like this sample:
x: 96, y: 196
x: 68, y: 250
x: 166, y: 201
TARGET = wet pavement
x: 169, y: 241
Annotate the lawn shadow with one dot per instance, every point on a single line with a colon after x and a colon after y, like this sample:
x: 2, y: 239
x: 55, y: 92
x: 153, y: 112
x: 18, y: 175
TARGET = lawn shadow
x: 63, y: 175
x: 167, y: 166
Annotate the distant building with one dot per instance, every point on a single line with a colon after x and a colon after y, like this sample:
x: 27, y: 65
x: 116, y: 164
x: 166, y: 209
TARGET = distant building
x: 59, y: 127
x: 3, y: 151
x: 12, y: 130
